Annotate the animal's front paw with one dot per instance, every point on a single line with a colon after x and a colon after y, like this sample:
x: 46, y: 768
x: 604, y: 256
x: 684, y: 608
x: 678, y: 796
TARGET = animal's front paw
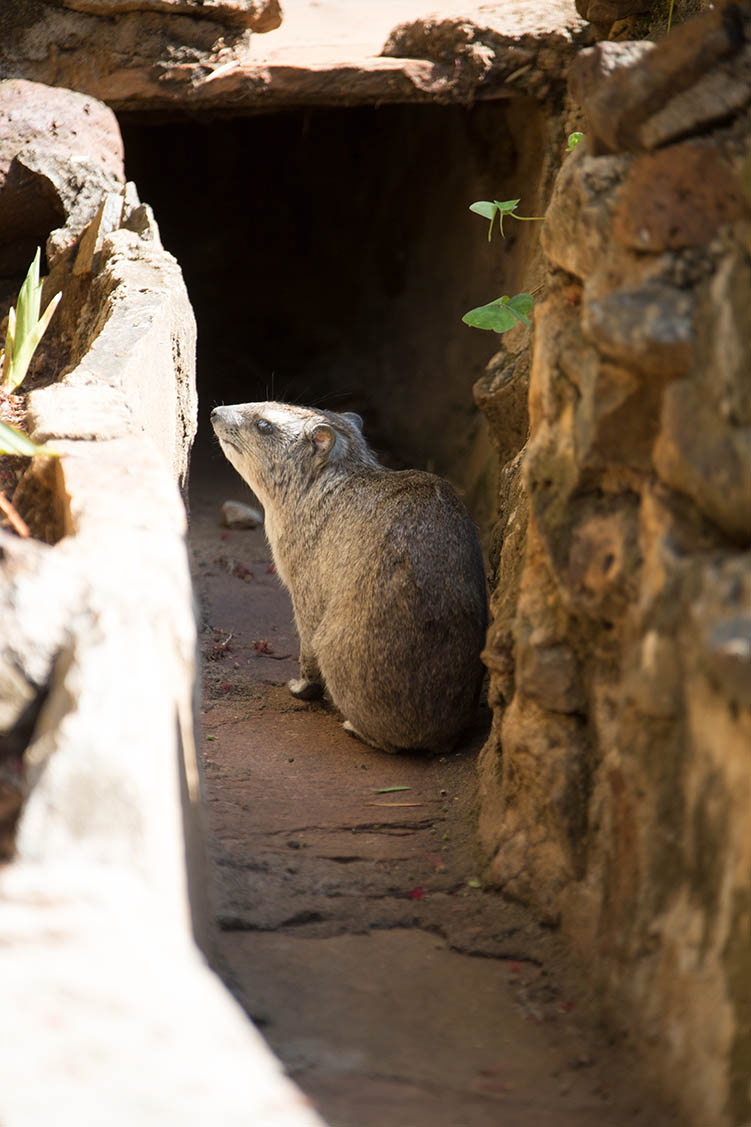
x: 305, y: 690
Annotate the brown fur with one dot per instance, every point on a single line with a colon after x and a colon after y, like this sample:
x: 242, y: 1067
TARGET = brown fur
x: 384, y: 570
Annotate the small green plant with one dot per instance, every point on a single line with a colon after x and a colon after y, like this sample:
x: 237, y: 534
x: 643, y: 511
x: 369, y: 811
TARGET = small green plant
x: 490, y: 208
x: 505, y: 312
x: 573, y: 141
x: 26, y: 327
x: 502, y: 314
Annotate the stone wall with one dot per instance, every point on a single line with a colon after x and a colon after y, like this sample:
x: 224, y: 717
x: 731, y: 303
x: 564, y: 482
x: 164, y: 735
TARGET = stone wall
x: 113, y: 1014
x: 615, y: 784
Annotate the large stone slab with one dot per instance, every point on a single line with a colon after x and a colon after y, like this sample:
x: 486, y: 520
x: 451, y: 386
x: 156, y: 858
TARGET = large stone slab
x: 178, y: 55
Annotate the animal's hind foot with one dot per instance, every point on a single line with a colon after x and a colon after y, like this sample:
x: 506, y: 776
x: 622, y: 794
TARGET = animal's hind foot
x: 305, y: 690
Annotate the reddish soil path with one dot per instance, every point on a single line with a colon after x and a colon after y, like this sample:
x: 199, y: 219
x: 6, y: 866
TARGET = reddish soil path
x: 351, y: 921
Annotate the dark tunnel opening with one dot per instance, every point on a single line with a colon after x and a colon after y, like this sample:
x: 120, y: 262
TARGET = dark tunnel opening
x: 329, y: 255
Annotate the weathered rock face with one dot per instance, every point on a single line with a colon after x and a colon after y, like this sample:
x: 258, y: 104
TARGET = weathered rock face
x: 207, y: 55
x: 59, y: 152
x: 616, y: 785
x: 128, y: 50
x: 61, y: 167
x: 97, y: 644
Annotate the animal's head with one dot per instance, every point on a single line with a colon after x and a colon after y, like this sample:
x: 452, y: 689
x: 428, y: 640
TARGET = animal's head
x: 278, y: 448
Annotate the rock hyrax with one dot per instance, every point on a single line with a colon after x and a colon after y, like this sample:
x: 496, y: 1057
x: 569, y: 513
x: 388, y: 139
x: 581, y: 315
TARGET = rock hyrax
x: 383, y: 566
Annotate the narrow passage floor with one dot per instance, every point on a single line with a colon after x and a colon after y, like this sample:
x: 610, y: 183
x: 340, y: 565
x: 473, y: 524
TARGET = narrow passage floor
x: 351, y: 919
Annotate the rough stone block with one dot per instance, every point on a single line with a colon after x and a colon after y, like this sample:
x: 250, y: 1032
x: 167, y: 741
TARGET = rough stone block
x: 649, y: 328
x: 712, y: 100
x: 618, y: 103
x: 59, y: 151
x: 501, y: 394
x: 676, y: 198
x: 699, y: 455
x: 594, y: 65
x: 601, y: 573
x: 726, y: 658
x: 550, y: 675
x: 258, y: 15
x: 577, y: 231
x: 534, y: 848
x: 723, y: 336
x: 616, y: 420
x: 608, y: 11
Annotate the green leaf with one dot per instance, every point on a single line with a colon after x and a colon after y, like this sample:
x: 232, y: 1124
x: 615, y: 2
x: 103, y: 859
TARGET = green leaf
x: 15, y: 442
x: 520, y: 306
x: 389, y: 790
x: 485, y: 208
x: 488, y: 208
x: 27, y: 309
x: 27, y: 344
x: 493, y: 316
x: 25, y: 327
x: 573, y: 141
x: 505, y: 207
x: 502, y: 314
x: 10, y: 342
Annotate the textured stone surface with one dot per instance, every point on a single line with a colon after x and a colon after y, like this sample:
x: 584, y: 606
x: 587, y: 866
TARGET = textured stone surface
x: 163, y: 54
x: 156, y: 329
x: 615, y: 787
x: 59, y: 151
x: 606, y: 12
x: 648, y: 328
x: 97, y: 676
x: 237, y: 515
x: 576, y: 235
x: 678, y: 197
x: 259, y: 15
x: 620, y: 102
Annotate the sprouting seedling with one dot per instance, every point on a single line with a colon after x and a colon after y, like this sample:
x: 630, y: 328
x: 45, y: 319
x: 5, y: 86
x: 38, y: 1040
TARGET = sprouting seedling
x: 670, y: 15
x: 490, y: 208
x: 25, y: 327
x: 502, y: 314
x: 25, y: 330
x: 573, y: 141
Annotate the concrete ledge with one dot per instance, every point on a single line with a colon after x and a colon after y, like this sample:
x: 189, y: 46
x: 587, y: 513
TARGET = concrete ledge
x: 116, y: 1017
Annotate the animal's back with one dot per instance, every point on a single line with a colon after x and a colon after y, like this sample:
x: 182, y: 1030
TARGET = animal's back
x: 406, y: 608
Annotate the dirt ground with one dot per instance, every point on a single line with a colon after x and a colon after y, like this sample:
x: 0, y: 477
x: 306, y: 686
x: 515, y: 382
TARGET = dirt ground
x: 352, y: 922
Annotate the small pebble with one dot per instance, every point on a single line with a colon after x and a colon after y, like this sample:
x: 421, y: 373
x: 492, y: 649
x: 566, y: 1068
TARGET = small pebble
x: 235, y: 514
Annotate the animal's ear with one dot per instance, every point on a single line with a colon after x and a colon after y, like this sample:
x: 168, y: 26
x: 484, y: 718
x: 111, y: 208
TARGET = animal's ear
x: 353, y: 418
x: 323, y: 437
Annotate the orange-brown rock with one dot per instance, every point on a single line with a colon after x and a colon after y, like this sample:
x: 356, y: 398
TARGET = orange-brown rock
x: 258, y: 15
x: 614, y: 786
x: 678, y: 197
x: 620, y: 103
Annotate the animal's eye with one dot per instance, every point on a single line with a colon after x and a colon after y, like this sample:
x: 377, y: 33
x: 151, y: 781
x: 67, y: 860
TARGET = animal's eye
x: 264, y: 426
